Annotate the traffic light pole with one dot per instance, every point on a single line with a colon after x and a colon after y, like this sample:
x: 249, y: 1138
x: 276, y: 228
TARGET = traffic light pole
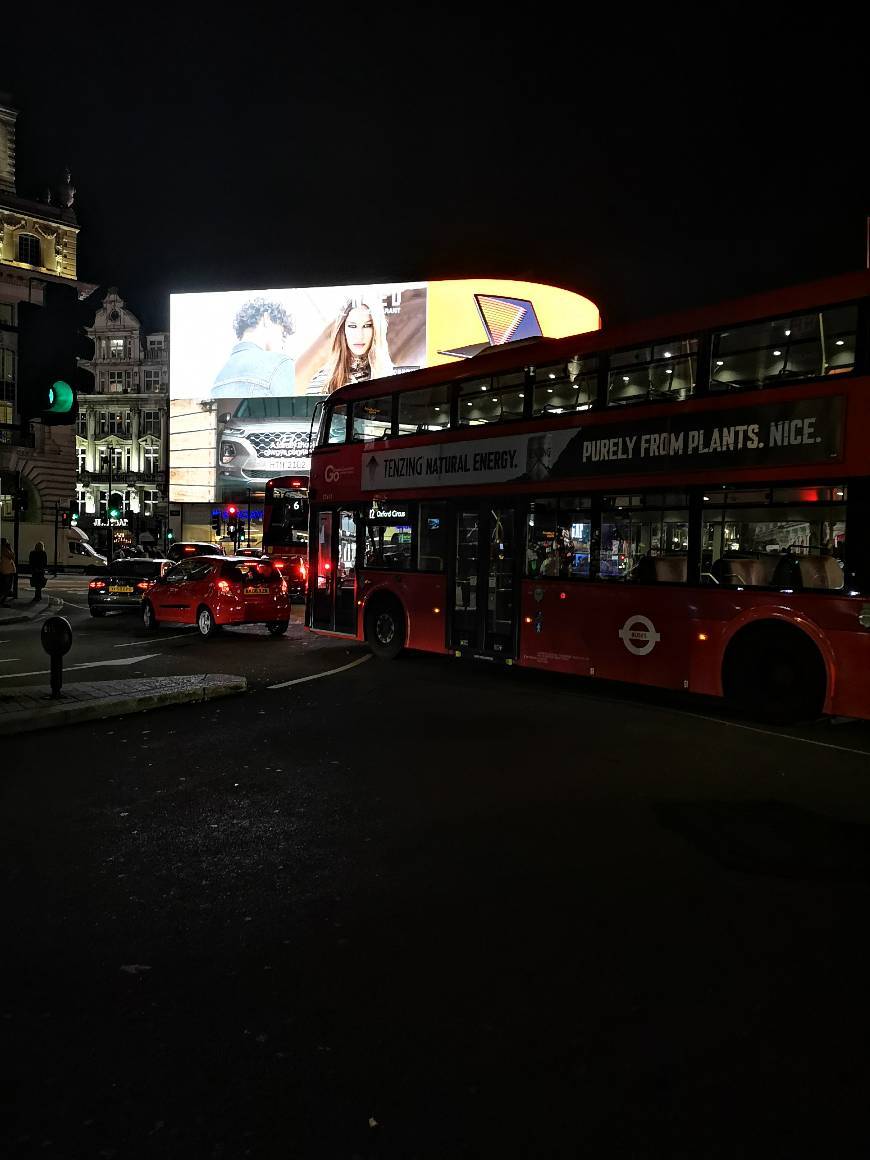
x: 55, y: 536
x: 109, y: 508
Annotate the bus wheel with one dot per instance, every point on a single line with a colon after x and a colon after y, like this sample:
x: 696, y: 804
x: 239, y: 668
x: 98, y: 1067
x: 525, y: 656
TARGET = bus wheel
x: 385, y: 628
x: 774, y: 672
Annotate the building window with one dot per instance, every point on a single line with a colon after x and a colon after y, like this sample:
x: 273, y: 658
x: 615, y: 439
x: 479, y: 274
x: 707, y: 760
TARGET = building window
x: 29, y: 249
x: 151, y: 380
x: 79, y: 504
x: 7, y: 313
x: 150, y: 501
x: 120, y: 460
x: 150, y: 422
x: 119, y: 381
x: 117, y: 348
x: 82, y: 424
x: 115, y: 423
x: 7, y: 373
x: 81, y: 458
x: 150, y: 459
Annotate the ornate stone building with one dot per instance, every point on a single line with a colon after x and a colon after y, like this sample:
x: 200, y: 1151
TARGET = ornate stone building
x: 121, y: 440
x: 38, y: 245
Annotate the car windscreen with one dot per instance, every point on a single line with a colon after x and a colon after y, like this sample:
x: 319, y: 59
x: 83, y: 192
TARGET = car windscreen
x: 252, y: 573
x: 294, y: 407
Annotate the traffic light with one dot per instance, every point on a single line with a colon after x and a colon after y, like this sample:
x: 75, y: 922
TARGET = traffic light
x: 50, y: 339
x: 170, y: 535
x: 64, y: 519
x: 216, y: 523
x: 115, y: 506
x: 231, y: 514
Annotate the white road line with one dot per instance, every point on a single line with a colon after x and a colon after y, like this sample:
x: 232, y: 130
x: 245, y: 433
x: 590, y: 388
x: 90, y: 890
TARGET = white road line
x: 139, y: 643
x: 784, y: 736
x: 9, y: 660
x: 85, y: 607
x: 317, y: 676
x: 85, y: 665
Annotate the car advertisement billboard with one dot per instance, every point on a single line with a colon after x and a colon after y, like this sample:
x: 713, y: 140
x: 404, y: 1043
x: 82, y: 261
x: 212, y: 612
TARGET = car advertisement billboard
x: 247, y: 368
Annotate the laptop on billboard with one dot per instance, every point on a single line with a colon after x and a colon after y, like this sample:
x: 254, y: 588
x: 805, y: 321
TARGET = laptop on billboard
x: 504, y: 320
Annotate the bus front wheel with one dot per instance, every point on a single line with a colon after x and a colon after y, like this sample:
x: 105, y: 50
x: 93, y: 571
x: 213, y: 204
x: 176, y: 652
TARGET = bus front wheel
x: 774, y: 672
x: 385, y: 629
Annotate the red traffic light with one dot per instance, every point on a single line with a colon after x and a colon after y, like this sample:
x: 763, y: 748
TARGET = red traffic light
x: 231, y: 511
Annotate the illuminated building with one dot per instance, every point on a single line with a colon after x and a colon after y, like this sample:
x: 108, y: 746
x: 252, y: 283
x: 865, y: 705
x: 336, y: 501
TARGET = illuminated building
x: 123, y: 422
x: 38, y: 245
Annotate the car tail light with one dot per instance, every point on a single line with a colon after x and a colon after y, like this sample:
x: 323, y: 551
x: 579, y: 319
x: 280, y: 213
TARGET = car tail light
x: 283, y: 586
x: 301, y: 569
x: 97, y: 584
x: 143, y: 584
x: 278, y: 564
x: 224, y: 586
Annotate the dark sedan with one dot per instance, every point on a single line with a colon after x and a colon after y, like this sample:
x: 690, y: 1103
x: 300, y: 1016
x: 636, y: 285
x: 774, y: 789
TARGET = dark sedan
x: 122, y: 586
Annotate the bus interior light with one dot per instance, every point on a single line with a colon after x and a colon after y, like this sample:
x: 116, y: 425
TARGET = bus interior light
x: 702, y: 636
x: 436, y: 609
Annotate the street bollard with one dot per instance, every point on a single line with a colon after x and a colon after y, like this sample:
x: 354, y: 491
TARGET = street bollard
x: 56, y: 637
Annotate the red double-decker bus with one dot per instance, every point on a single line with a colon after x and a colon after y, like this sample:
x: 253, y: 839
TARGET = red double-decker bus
x: 682, y: 503
x: 285, y: 529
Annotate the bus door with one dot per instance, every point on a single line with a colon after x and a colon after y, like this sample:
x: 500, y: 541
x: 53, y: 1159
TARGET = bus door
x: 486, y: 588
x: 333, y: 582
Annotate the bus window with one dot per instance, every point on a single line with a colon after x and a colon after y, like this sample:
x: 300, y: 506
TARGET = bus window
x: 492, y: 400
x: 426, y: 410
x: 373, y: 419
x: 634, y: 542
x: 389, y: 531
x: 786, y: 350
x: 570, y: 386
x: 663, y: 372
x: 559, y: 535
x: 336, y: 431
x: 431, y: 550
x: 786, y: 544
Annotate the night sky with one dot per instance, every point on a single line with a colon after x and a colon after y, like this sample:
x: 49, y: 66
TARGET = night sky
x: 645, y: 168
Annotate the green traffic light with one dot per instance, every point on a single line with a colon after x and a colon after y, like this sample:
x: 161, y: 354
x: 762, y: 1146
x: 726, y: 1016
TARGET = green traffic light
x: 60, y: 398
x: 114, y: 513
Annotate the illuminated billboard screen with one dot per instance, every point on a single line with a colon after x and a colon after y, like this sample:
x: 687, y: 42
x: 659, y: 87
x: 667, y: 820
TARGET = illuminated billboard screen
x: 247, y: 367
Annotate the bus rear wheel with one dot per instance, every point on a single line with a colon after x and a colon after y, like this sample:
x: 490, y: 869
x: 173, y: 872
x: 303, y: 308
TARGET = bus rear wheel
x: 385, y: 628
x: 774, y: 673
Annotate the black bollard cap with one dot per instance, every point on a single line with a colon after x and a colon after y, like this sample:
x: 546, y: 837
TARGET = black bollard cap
x: 56, y: 636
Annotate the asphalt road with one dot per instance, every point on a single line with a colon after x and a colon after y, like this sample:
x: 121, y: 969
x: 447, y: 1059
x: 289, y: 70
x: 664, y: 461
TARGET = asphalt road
x: 426, y: 909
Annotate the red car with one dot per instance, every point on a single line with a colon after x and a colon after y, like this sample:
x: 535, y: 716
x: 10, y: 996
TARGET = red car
x: 211, y: 592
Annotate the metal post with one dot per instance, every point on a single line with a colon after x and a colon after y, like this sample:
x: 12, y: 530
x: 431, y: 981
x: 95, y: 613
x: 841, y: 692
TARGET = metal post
x: 16, y: 522
x: 109, y: 451
x: 249, y: 518
x: 55, y: 536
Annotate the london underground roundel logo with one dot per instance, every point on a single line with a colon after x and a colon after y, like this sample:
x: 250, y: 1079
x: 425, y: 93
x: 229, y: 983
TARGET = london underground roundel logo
x: 639, y: 635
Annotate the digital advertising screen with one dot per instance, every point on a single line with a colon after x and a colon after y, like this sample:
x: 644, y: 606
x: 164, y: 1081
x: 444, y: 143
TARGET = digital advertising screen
x: 247, y: 367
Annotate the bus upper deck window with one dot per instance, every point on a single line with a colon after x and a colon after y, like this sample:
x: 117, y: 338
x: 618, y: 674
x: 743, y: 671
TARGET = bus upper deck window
x: 337, y: 420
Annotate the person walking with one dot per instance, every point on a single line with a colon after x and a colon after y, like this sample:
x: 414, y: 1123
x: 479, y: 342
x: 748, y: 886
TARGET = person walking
x: 7, y: 570
x: 38, y: 567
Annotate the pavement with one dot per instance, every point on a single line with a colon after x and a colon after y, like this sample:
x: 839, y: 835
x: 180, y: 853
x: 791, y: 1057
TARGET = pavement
x: 26, y: 708
x: 20, y: 610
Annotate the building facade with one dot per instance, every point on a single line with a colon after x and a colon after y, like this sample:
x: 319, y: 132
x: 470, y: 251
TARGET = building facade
x: 121, y: 434
x: 38, y: 245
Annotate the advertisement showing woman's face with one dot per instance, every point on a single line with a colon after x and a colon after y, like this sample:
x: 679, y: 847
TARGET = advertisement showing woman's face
x: 358, y: 330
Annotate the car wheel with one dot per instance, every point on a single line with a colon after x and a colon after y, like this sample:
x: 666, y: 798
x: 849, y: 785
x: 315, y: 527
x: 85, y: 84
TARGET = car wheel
x: 98, y: 612
x: 148, y: 617
x: 205, y: 622
x: 278, y: 627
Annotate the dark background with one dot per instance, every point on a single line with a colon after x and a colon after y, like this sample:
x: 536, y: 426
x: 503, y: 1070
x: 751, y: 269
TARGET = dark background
x: 650, y: 166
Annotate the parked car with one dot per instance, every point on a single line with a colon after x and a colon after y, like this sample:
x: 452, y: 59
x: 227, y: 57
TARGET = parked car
x: 124, y: 585
x: 185, y: 548
x: 211, y: 593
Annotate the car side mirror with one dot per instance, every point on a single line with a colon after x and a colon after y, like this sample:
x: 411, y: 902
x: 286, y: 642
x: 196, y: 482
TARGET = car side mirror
x: 225, y: 417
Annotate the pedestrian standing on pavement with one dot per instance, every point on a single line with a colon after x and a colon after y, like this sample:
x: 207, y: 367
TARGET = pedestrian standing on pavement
x: 38, y: 566
x: 7, y: 570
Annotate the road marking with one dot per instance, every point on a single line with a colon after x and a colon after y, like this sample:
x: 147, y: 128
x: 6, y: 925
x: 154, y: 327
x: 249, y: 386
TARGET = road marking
x: 317, y: 676
x: 84, y: 665
x: 84, y: 607
x: 9, y: 660
x: 139, y: 643
x: 773, y: 733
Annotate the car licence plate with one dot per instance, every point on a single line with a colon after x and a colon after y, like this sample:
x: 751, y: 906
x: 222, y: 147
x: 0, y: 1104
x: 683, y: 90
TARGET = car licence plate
x: 256, y: 592
x: 119, y: 588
